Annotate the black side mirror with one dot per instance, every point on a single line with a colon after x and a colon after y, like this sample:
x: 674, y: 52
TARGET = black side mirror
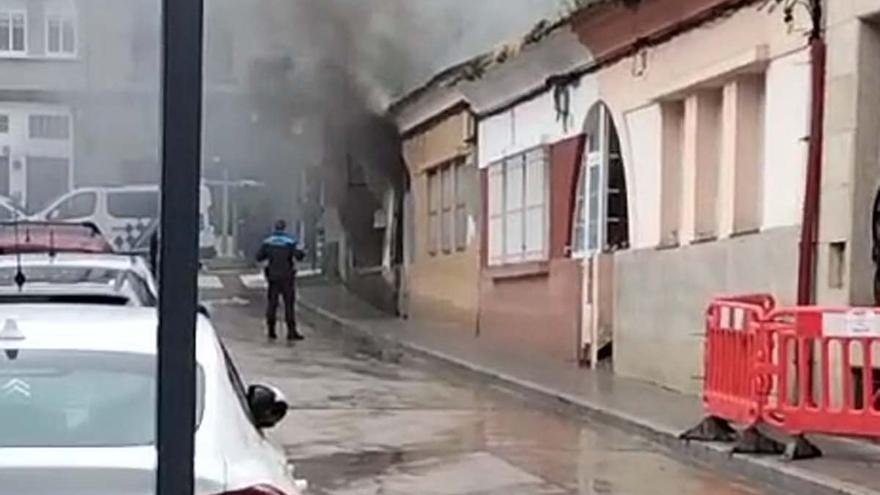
x: 203, y: 310
x: 268, y: 406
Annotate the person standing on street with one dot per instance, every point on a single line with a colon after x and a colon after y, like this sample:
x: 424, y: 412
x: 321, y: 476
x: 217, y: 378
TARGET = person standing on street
x: 281, y: 252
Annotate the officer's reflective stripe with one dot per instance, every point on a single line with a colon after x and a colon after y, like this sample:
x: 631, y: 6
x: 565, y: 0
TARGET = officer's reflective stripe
x: 280, y: 240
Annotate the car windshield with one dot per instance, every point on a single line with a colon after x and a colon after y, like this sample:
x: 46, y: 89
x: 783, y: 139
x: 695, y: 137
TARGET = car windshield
x: 78, y: 399
x: 77, y: 284
x: 61, y: 275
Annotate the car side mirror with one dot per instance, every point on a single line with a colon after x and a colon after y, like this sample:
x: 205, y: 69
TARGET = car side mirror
x: 268, y: 405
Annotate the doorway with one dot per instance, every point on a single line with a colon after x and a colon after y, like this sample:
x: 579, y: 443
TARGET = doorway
x: 601, y: 228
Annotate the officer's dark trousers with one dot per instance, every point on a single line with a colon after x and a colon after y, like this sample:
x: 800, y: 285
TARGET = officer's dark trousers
x: 286, y: 291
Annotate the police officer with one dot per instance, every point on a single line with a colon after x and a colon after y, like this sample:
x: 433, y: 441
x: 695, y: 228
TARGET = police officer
x: 280, y: 252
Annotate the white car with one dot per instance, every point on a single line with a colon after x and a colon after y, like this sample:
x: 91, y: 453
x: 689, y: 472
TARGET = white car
x: 78, y: 408
x: 126, y: 215
x: 80, y: 274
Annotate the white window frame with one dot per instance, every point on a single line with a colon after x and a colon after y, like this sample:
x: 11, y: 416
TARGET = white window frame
x: 12, y: 52
x: 593, y: 179
x: 435, y: 198
x: 62, y: 18
x: 505, y: 214
x: 66, y: 116
x: 447, y: 208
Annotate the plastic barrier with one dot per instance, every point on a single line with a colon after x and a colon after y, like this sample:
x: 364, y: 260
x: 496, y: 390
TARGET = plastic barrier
x: 734, y: 388
x: 798, y: 370
x: 825, y: 379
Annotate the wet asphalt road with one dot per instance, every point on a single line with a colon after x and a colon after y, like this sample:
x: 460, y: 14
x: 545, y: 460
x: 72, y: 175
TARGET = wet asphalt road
x: 359, y: 426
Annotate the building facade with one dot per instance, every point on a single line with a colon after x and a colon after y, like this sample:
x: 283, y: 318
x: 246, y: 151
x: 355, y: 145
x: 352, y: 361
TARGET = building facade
x: 493, y: 154
x: 442, y: 207
x: 849, y: 233
x: 51, y: 60
x: 711, y: 101
x: 625, y: 184
x: 530, y: 146
x: 79, y: 95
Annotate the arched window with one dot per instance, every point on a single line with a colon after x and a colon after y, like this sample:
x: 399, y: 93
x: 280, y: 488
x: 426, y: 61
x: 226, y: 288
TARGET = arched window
x: 601, y: 216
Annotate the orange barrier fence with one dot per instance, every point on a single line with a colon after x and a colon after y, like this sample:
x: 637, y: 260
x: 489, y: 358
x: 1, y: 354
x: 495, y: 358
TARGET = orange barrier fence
x: 800, y: 370
x: 825, y: 374
x: 731, y: 389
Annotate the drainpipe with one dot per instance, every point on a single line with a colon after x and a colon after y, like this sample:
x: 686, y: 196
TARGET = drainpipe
x: 810, y: 225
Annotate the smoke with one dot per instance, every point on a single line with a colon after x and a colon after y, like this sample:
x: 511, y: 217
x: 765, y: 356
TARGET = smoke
x: 322, y: 72
x: 295, y: 91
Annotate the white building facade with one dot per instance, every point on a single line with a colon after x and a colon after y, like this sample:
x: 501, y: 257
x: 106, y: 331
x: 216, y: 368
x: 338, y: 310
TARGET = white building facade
x: 713, y: 134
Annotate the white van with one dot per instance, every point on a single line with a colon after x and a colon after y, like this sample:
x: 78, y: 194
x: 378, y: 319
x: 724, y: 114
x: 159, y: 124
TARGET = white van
x: 125, y: 214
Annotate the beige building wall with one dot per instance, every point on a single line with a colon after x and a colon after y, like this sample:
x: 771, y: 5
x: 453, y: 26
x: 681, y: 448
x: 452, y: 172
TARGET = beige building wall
x: 851, y: 161
x: 443, y: 286
x: 732, y: 98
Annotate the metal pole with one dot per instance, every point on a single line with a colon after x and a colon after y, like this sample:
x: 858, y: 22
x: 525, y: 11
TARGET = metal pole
x: 234, y: 241
x: 181, y: 141
x: 806, y: 290
x: 226, y: 227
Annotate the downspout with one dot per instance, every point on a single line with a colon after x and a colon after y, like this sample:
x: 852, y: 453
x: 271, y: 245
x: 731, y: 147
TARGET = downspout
x: 810, y: 226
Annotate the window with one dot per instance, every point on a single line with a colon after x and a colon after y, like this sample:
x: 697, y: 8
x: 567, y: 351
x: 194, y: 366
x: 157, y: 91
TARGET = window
x: 78, y: 206
x: 13, y: 36
x: 447, y: 181
x: 601, y: 215
x: 80, y: 399
x: 461, y: 220
x: 4, y: 123
x: 447, y: 208
x: 579, y: 225
x: 60, y: 35
x: 132, y: 283
x: 58, y: 275
x: 706, y: 107
x: 133, y: 204
x: 433, y: 211
x: 49, y: 126
x: 748, y: 146
x: 518, y: 208
x: 671, y: 169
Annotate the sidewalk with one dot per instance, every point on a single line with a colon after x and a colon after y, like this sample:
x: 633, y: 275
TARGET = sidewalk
x: 848, y: 466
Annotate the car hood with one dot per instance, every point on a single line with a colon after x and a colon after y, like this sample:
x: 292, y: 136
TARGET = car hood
x: 90, y: 471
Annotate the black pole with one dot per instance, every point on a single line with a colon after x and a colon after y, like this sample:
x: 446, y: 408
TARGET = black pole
x: 178, y: 258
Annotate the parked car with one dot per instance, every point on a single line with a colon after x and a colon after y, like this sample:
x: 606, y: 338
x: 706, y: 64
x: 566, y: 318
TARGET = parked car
x: 125, y: 215
x: 51, y: 237
x: 91, y: 261
x: 74, y: 277
x: 78, y: 408
x: 37, y: 278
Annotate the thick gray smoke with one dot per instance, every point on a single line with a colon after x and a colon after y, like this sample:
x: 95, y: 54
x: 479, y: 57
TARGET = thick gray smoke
x: 321, y: 73
x: 294, y: 91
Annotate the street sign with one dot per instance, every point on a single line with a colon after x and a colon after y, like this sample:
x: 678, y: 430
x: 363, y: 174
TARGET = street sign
x: 178, y: 250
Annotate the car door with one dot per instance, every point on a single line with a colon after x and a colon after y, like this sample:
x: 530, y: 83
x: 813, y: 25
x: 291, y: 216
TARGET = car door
x: 259, y: 450
x: 130, y: 214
